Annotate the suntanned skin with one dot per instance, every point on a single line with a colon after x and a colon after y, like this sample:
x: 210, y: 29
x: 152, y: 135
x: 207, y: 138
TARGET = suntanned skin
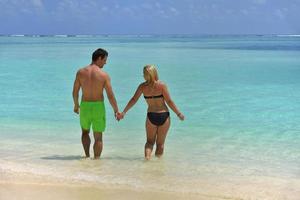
x: 92, y: 80
x: 155, y: 134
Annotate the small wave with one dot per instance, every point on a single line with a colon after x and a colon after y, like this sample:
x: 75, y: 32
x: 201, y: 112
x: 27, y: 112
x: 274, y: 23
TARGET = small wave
x: 16, y: 35
x: 33, y: 35
x: 60, y: 35
x: 288, y: 35
x: 84, y: 36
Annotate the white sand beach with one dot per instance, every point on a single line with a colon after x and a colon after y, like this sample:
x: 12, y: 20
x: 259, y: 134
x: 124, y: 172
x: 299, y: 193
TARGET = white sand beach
x: 25, y: 186
x: 32, y: 187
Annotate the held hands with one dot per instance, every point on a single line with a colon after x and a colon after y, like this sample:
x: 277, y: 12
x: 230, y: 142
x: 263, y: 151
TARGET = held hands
x: 119, y: 115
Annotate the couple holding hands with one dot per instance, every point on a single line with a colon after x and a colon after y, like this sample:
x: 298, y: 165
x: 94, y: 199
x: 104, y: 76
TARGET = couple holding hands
x: 92, y: 80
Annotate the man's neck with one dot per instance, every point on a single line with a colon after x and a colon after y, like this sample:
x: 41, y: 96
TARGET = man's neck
x: 94, y: 64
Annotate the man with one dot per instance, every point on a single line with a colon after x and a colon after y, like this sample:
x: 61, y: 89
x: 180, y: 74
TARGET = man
x: 93, y: 80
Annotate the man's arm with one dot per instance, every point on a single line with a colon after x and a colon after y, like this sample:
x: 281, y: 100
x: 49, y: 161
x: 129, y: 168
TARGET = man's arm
x: 110, y: 95
x: 76, y: 89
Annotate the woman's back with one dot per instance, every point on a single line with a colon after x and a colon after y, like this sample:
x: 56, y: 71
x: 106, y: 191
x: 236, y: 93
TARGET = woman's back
x: 153, y: 94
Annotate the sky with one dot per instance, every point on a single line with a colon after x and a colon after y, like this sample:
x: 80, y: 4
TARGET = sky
x: 149, y: 16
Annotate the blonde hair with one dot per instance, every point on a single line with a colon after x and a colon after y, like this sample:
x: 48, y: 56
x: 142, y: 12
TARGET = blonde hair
x: 150, y: 74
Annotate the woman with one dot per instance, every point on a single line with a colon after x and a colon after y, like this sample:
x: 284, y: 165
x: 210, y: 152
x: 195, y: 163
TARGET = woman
x: 158, y: 117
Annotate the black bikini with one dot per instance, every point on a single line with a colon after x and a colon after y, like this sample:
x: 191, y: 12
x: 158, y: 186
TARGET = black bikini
x: 157, y: 119
x: 153, y: 97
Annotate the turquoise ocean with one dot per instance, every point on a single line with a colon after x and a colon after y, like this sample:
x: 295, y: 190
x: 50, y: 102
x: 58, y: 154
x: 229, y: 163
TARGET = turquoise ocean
x: 240, y: 96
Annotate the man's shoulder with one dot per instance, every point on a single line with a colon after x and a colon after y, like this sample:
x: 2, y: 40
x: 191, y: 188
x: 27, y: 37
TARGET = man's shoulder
x: 82, y: 69
x: 103, y: 74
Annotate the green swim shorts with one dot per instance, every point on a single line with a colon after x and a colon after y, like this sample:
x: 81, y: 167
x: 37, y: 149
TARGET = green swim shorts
x: 92, y: 113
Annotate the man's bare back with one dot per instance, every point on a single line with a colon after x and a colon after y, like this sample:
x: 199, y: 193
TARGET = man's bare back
x: 92, y: 80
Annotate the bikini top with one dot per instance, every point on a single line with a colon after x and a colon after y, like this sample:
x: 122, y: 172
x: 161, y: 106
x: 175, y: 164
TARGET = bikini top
x: 153, y: 97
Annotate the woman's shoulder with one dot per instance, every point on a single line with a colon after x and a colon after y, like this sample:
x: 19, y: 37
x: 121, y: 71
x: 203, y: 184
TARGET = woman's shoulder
x: 142, y: 85
x: 161, y: 84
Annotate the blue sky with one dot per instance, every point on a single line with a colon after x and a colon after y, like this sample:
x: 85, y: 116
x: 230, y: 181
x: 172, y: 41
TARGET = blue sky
x: 150, y: 16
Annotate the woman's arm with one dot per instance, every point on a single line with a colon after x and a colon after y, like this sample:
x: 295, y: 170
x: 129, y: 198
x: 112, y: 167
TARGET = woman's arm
x: 170, y: 102
x: 133, y: 100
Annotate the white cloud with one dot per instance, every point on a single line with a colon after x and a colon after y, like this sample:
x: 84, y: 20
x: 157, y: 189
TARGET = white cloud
x: 129, y: 11
x: 21, y: 6
x: 146, y: 6
x: 229, y: 11
x: 117, y: 6
x: 26, y: 11
x: 37, y: 3
x: 163, y: 14
x: 260, y: 2
x: 157, y: 4
x: 4, y: 1
x: 174, y: 10
x: 279, y: 13
x: 69, y: 9
x: 104, y: 9
x: 214, y: 6
x: 245, y: 12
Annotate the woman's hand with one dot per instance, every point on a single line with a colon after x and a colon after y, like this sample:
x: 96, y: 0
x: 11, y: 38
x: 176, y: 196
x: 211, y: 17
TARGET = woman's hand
x: 180, y: 116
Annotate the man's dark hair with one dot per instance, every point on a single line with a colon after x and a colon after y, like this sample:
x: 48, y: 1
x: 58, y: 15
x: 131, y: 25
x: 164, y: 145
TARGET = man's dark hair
x: 99, y: 53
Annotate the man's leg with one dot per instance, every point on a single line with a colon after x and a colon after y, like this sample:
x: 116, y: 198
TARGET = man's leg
x: 86, y: 141
x: 98, y: 145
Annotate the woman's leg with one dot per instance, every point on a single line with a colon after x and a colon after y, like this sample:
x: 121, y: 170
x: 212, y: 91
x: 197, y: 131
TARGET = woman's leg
x: 151, y: 131
x: 161, y: 136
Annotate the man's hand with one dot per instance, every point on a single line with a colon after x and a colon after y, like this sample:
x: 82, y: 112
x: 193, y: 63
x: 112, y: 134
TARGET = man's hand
x: 76, y: 109
x: 119, y: 116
